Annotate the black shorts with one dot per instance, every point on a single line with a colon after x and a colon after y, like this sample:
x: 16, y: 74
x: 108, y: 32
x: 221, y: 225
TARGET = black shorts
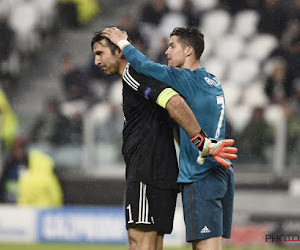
x: 150, y: 208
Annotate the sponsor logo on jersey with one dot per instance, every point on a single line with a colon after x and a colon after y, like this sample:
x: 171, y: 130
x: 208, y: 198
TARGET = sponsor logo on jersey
x: 147, y: 92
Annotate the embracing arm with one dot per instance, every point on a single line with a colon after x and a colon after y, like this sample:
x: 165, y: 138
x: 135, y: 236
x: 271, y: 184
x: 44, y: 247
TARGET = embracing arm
x: 183, y: 115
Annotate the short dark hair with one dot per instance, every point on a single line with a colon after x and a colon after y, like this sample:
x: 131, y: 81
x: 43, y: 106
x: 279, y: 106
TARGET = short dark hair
x: 98, y: 36
x: 190, y: 36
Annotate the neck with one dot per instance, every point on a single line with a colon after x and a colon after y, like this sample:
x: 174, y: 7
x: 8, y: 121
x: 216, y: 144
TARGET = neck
x: 122, y: 66
x: 191, y: 64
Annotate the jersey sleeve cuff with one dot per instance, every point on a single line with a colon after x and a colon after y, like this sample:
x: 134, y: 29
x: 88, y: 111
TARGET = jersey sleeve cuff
x: 165, y: 96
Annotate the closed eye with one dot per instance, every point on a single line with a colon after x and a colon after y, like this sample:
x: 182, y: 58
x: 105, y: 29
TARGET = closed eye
x: 172, y: 45
x: 98, y: 53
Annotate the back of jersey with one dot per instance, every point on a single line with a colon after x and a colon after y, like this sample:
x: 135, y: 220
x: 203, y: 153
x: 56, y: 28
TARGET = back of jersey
x: 206, y: 99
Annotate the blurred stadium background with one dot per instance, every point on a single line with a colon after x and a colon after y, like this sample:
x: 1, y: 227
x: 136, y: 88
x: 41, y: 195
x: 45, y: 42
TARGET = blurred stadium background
x: 54, y: 100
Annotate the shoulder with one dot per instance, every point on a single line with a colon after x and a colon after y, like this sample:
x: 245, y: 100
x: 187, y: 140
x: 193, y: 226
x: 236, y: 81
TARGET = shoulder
x: 132, y: 71
x: 132, y: 74
x: 173, y: 69
x: 132, y: 78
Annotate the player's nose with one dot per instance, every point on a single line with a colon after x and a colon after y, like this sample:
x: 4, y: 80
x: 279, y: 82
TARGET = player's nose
x: 167, y: 51
x: 97, y: 61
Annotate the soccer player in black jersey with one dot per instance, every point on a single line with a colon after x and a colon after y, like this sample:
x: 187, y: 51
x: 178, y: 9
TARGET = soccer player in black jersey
x: 148, y: 146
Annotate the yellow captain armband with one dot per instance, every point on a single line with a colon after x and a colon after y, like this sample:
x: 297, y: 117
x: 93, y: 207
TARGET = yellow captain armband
x: 165, y: 96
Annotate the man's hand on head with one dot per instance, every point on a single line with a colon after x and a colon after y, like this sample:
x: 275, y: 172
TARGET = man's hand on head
x: 117, y: 36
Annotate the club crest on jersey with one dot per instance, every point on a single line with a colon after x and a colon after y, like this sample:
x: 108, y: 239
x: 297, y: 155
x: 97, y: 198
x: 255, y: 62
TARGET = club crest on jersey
x: 147, y: 92
x: 171, y: 68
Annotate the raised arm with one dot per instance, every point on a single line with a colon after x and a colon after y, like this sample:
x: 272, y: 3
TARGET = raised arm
x: 171, y: 76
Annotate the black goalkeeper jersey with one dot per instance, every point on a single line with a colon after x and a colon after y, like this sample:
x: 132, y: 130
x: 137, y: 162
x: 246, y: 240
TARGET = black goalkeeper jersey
x: 148, y: 144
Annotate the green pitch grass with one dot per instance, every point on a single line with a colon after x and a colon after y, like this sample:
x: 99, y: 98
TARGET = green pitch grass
x: 112, y: 247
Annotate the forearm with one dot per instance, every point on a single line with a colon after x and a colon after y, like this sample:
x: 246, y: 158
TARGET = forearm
x: 183, y: 115
x: 142, y: 64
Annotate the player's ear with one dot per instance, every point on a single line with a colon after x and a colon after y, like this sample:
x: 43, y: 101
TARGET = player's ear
x: 119, y: 53
x: 189, y: 51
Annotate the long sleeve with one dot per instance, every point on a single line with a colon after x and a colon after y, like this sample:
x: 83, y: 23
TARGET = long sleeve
x: 174, y: 77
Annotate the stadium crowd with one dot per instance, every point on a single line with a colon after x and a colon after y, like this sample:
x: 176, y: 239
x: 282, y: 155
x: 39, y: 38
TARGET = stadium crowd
x: 252, y: 46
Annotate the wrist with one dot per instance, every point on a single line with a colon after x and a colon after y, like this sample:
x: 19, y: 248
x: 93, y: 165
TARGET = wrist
x: 122, y: 43
x: 198, y: 140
